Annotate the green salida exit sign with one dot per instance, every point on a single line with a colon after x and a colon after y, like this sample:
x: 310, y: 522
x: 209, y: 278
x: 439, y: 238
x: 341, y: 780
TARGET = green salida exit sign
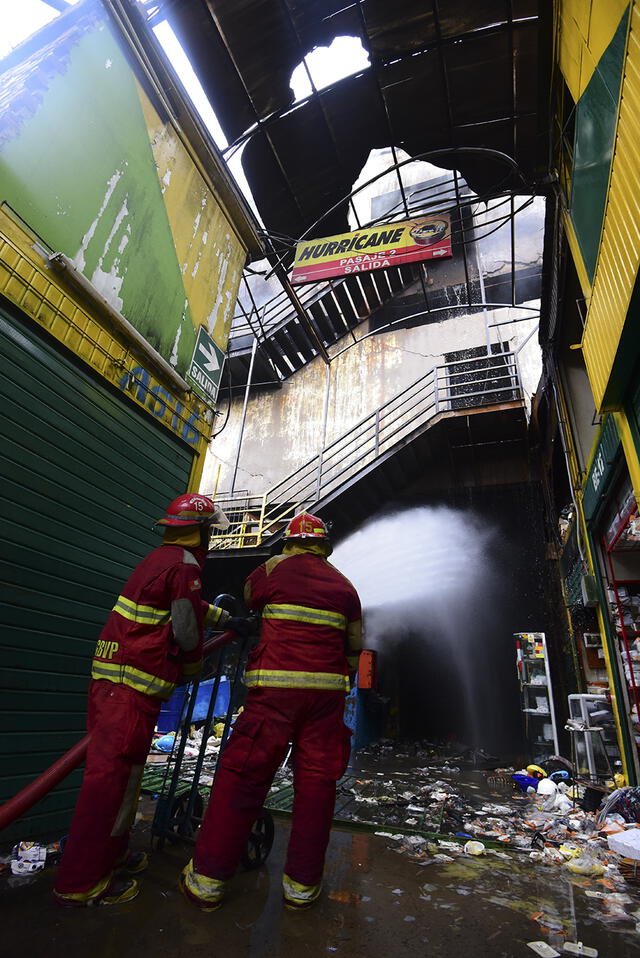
x: 205, y: 368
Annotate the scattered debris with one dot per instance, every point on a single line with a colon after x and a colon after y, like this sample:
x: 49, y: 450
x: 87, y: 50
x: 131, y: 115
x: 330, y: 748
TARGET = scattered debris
x: 345, y: 897
x: 474, y: 848
x: 577, y: 948
x: 543, y: 949
x: 28, y: 857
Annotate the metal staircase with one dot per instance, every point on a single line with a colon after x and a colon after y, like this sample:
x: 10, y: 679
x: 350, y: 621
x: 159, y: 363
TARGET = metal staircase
x: 452, y: 390
x: 334, y: 308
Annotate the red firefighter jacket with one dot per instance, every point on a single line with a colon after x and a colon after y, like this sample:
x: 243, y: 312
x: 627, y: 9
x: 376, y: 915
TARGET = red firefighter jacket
x: 137, y: 646
x: 311, y: 623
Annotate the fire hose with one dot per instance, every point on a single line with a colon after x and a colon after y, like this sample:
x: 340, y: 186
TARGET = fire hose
x: 52, y: 776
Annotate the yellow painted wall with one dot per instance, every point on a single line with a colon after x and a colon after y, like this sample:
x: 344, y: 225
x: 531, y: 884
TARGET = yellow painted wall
x: 585, y: 29
x: 210, y: 253
x: 619, y: 255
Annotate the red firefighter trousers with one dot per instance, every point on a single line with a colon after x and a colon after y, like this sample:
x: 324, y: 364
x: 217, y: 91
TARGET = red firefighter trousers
x: 121, y: 723
x: 273, y: 718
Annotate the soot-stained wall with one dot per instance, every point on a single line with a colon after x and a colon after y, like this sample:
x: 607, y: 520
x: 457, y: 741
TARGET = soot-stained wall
x: 430, y: 691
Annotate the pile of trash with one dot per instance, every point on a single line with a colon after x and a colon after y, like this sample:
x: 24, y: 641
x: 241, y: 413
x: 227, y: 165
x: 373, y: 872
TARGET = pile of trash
x: 450, y: 752
x: 547, y: 822
x: 164, y: 742
x: 28, y: 858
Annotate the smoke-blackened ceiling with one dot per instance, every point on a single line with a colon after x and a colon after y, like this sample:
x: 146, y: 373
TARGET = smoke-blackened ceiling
x: 444, y: 75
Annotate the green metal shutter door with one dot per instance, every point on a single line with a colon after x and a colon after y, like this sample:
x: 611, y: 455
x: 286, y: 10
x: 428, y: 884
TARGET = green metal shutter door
x: 84, y: 476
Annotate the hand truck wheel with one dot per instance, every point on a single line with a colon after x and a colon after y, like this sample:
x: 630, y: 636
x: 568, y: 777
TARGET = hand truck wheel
x: 259, y: 842
x: 186, y: 827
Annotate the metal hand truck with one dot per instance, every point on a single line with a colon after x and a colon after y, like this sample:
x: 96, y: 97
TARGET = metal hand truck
x: 181, y: 799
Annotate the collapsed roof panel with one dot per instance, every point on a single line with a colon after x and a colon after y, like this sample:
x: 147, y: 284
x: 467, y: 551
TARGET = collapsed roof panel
x: 475, y: 83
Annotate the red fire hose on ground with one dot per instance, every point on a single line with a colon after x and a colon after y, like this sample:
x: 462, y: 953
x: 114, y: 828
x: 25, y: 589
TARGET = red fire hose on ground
x: 45, y: 782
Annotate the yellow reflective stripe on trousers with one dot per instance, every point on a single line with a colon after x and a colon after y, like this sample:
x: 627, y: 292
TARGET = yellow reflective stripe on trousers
x: 294, y: 891
x: 202, y: 887
x: 145, y: 614
x: 301, y: 613
x: 135, y: 678
x: 280, y: 679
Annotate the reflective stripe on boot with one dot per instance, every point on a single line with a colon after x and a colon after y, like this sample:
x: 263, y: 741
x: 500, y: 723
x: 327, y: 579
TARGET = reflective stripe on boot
x: 83, y: 897
x: 118, y: 891
x: 297, y: 895
x: 205, y: 892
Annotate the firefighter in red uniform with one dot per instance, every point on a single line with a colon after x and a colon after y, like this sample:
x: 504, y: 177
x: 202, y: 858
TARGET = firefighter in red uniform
x: 151, y: 642
x: 297, y: 676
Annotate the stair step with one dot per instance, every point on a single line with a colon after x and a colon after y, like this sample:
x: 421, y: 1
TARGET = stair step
x: 374, y: 300
x: 323, y: 324
x: 276, y: 357
x: 300, y: 338
x: 335, y: 316
x: 289, y: 349
x: 347, y: 313
x: 355, y: 290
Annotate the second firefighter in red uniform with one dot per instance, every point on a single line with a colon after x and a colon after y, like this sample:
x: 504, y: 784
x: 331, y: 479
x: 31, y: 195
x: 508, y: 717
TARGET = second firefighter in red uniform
x: 298, y: 677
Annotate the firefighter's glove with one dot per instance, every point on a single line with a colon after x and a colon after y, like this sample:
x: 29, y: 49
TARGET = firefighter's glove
x: 243, y: 626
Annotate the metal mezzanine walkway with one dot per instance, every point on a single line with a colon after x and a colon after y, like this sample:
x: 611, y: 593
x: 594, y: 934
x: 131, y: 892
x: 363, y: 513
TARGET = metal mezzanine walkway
x: 446, y: 391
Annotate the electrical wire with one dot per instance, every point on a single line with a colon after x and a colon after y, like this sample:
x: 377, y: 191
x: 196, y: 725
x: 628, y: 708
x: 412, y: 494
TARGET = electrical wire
x: 228, y: 412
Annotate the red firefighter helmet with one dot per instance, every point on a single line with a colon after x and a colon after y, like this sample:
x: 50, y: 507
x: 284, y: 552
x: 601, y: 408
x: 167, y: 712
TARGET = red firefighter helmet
x: 193, y: 510
x: 306, y: 526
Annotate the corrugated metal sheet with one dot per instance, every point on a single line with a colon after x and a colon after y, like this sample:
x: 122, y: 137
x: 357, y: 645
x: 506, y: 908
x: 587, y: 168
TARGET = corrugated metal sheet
x: 602, y: 467
x: 619, y: 255
x: 85, y: 474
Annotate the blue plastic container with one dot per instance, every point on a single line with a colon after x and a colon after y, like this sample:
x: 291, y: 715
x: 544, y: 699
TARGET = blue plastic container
x: 203, y: 698
x: 171, y: 711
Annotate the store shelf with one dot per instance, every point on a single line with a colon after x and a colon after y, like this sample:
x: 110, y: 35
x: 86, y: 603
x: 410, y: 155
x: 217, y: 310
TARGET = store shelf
x: 536, y: 693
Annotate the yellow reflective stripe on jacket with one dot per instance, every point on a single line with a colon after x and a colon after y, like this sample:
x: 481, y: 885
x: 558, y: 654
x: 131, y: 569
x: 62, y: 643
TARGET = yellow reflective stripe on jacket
x: 280, y: 679
x: 301, y: 613
x: 135, y: 678
x: 145, y: 614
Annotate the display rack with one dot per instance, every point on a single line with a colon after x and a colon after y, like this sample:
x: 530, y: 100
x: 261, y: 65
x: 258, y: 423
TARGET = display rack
x: 621, y: 547
x: 594, y: 733
x: 536, y: 693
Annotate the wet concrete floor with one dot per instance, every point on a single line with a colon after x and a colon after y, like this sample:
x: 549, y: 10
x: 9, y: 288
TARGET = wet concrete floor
x: 376, y: 903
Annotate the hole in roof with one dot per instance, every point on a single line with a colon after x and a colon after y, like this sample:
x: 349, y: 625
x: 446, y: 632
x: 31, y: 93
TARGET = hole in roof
x: 416, y: 188
x: 326, y: 65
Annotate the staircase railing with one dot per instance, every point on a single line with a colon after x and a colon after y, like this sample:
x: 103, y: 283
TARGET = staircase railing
x: 457, y: 386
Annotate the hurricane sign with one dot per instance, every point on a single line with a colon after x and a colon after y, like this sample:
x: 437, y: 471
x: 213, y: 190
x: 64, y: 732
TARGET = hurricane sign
x: 205, y: 369
x: 376, y: 247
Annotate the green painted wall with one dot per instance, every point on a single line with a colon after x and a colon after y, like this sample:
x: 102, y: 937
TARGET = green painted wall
x: 77, y: 165
x: 595, y: 127
x: 80, y: 477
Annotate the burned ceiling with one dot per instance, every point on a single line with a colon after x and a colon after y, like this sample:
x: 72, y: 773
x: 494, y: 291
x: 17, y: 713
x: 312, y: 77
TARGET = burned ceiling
x: 444, y: 75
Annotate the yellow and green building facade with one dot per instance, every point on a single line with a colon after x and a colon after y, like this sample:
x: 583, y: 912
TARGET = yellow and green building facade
x: 595, y: 362
x: 119, y: 247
